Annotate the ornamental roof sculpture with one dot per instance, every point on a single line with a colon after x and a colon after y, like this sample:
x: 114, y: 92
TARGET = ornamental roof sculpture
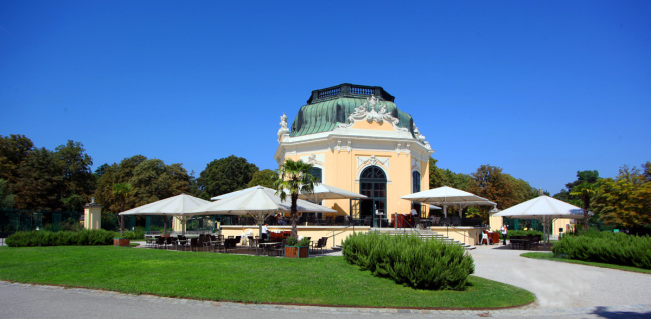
x: 380, y: 115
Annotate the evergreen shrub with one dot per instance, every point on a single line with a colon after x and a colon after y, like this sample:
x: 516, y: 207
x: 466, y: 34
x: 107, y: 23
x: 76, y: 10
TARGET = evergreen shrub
x: 606, y: 247
x: 411, y: 261
x: 138, y: 233
x: 61, y: 238
x: 521, y: 233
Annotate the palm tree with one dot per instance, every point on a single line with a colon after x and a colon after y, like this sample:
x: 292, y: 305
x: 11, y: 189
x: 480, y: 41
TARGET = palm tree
x: 294, y: 177
x: 584, y: 190
x: 121, y: 191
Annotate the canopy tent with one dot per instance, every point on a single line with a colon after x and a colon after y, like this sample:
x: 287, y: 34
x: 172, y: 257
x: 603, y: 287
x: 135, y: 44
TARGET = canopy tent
x: 447, y: 196
x: 227, y: 195
x: 543, y: 208
x: 323, y: 191
x: 177, y: 206
x: 257, y: 202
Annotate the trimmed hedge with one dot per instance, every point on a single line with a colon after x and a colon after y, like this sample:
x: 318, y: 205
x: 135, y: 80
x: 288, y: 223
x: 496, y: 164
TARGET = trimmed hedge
x: 606, y: 247
x: 411, y: 261
x: 521, y: 233
x: 60, y: 238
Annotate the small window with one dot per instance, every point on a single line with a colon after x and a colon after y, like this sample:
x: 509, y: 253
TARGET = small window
x: 317, y: 172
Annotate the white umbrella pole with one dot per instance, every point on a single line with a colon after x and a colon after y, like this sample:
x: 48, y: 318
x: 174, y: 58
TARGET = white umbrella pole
x: 445, y: 211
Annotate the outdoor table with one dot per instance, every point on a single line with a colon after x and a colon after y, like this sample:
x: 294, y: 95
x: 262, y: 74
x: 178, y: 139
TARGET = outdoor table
x: 216, y: 243
x: 265, y: 247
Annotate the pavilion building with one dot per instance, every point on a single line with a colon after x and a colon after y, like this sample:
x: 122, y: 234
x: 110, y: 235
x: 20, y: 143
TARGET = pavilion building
x: 357, y: 139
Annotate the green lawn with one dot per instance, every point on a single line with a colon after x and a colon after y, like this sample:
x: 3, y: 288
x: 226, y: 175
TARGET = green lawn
x: 250, y: 279
x: 550, y: 256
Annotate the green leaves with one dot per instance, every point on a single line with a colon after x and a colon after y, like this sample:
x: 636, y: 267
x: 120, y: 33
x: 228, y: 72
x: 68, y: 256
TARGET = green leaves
x: 408, y: 260
x: 294, y: 178
x: 606, y: 247
x: 225, y: 175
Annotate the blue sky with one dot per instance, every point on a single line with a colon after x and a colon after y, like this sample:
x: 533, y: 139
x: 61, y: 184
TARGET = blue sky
x: 542, y: 89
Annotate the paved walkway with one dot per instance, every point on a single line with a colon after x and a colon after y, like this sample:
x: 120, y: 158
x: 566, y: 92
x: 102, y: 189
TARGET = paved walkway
x: 562, y: 291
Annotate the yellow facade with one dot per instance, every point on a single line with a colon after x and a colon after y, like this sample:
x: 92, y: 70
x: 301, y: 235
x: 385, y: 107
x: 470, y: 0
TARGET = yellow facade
x: 369, y: 139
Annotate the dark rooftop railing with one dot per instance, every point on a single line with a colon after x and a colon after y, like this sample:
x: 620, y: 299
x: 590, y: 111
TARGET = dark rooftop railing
x: 349, y: 90
x: 328, y: 93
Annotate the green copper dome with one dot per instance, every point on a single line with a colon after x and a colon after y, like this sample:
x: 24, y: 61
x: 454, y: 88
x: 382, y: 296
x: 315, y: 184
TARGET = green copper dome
x: 330, y: 106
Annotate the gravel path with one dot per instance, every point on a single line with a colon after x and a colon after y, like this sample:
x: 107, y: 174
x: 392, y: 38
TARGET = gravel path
x: 562, y: 285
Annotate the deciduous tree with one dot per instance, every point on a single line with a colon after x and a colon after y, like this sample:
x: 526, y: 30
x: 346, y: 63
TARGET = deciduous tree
x: 265, y: 177
x: 444, y: 177
x: 78, y: 180
x: 6, y: 197
x: 225, y: 175
x: 626, y: 200
x: 13, y: 150
x: 40, y: 181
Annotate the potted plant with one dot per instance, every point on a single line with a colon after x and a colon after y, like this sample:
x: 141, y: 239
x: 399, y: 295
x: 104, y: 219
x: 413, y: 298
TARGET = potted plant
x: 297, y: 249
x: 122, y: 240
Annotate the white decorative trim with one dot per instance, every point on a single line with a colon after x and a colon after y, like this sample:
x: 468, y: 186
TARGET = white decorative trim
x: 316, y: 160
x: 347, y: 147
x: 361, y: 169
x: 283, y: 128
x: 372, y: 160
x: 415, y: 165
x: 421, y: 138
x: 380, y: 115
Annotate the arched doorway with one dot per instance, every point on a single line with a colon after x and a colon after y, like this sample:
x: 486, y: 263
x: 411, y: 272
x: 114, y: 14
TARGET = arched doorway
x: 373, y: 184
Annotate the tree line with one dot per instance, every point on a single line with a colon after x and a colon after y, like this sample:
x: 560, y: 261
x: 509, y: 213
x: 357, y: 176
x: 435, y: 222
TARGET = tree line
x: 39, y: 179
x: 623, y: 201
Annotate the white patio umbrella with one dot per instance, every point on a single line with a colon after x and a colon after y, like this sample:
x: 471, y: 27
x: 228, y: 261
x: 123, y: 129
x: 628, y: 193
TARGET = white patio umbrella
x: 543, y: 208
x: 447, y: 196
x: 227, y: 195
x: 172, y: 206
x: 323, y: 191
x: 258, y: 202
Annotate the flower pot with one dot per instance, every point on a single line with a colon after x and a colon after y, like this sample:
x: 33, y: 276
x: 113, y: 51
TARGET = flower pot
x: 296, y: 251
x: 121, y: 242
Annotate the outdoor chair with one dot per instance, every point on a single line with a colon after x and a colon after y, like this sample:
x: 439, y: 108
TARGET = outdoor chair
x: 194, y: 243
x: 484, y: 237
x: 160, y: 241
x: 436, y: 220
x: 182, y: 241
x: 321, y: 243
x: 205, y: 242
x: 252, y: 242
x: 168, y: 242
x: 150, y: 241
x: 276, y: 249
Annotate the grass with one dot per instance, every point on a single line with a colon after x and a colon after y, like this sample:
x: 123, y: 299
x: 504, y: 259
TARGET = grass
x: 550, y: 256
x: 248, y: 279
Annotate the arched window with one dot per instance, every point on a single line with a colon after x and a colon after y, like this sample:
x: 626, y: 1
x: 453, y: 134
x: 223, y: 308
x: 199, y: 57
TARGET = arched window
x: 415, y: 182
x: 415, y: 188
x: 317, y: 172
